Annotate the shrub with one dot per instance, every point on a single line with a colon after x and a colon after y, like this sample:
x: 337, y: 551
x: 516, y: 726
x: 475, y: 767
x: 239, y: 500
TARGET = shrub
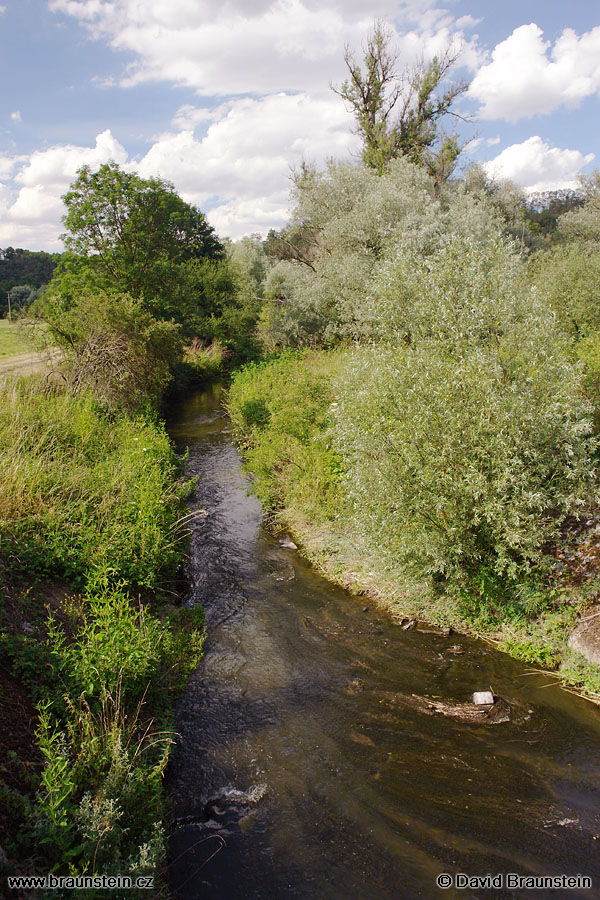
x: 567, y: 278
x: 113, y: 347
x: 464, y: 294
x: 100, y: 807
x: 105, y: 733
x: 357, y: 229
x: 583, y: 223
x: 458, y: 461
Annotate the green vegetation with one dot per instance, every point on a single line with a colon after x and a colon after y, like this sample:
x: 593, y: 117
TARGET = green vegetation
x: 91, y: 502
x: 24, y: 274
x: 114, y: 347
x: 280, y: 410
x: 399, y: 114
x: 13, y: 340
x: 93, y: 499
x: 81, y: 491
x: 437, y: 444
x: 144, y: 278
x: 425, y: 419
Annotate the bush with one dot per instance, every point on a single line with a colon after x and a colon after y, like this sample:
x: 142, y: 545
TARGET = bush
x: 114, y: 347
x: 583, y: 223
x: 567, y: 278
x: 456, y: 462
x: 351, y: 231
x: 465, y: 294
x: 105, y: 733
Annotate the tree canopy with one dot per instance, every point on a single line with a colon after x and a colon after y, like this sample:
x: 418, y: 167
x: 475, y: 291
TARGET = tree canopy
x: 133, y: 235
x: 400, y: 113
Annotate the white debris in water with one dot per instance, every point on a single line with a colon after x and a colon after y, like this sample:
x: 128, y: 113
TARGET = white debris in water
x: 483, y: 698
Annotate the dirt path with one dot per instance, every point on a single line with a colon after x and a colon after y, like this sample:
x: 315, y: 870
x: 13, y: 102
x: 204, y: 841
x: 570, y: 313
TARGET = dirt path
x: 28, y: 363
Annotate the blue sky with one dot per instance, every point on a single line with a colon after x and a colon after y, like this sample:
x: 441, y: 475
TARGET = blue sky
x: 223, y: 98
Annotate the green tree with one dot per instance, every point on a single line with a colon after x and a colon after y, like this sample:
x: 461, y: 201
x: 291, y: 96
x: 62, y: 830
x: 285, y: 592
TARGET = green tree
x: 399, y: 114
x: 510, y: 203
x: 23, y: 268
x: 583, y: 223
x: 544, y: 208
x: 132, y: 235
x: 350, y: 231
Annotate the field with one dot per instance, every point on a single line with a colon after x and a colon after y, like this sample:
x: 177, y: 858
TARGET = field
x: 18, y: 355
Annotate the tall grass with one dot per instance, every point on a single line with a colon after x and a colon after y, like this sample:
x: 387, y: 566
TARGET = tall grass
x: 94, y: 497
x: 81, y: 490
x: 13, y: 340
x: 280, y: 411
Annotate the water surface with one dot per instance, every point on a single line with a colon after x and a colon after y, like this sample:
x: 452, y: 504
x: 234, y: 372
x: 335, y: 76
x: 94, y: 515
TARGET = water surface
x: 304, y: 771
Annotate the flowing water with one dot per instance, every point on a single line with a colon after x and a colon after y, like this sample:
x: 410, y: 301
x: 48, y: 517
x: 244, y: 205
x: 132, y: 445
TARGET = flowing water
x: 306, y: 769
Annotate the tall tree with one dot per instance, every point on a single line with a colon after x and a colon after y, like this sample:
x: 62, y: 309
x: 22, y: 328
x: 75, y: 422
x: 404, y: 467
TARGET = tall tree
x: 400, y: 113
x: 133, y: 235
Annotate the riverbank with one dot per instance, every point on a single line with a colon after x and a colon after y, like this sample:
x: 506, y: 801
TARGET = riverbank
x: 281, y: 413
x: 94, y: 650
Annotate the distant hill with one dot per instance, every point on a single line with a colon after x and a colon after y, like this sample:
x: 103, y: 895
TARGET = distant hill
x: 22, y: 269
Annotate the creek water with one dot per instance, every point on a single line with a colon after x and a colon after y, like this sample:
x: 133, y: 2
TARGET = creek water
x: 303, y: 768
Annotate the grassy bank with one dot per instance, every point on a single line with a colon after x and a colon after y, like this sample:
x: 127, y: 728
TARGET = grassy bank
x: 286, y: 415
x: 93, y: 651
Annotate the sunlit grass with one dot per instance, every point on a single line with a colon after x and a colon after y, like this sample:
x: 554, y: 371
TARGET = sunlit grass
x: 14, y: 339
x: 80, y: 490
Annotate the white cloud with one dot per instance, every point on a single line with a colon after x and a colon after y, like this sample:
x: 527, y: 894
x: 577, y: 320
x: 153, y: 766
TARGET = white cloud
x: 188, y: 117
x: 526, y: 76
x: 536, y: 166
x: 16, y: 116
x: 31, y: 209
x: 238, y: 170
x: 467, y: 21
x: 57, y: 166
x: 7, y: 165
x: 242, y: 163
x: 252, y: 46
x: 270, y: 62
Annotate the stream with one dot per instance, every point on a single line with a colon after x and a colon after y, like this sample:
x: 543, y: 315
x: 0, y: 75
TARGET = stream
x: 304, y: 769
